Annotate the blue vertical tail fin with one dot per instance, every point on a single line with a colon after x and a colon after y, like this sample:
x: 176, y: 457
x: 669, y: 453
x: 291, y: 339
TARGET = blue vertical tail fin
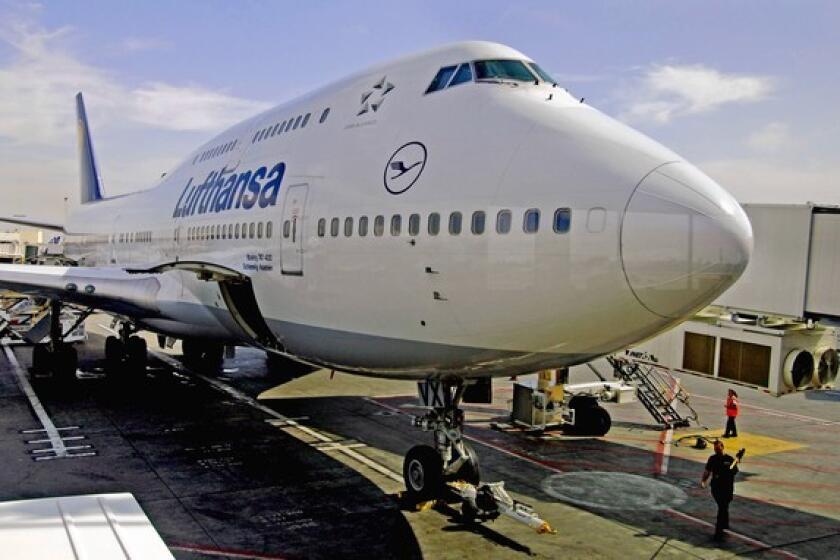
x: 90, y: 183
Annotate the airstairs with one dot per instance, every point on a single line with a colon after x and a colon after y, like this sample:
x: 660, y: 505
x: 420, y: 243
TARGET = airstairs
x: 656, y: 388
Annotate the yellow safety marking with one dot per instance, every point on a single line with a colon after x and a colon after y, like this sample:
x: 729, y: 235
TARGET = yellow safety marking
x: 755, y: 444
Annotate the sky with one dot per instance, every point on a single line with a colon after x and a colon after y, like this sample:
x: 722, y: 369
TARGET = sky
x: 747, y: 90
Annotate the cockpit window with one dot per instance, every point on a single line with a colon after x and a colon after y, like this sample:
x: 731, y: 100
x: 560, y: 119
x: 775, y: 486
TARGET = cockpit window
x: 544, y: 76
x: 503, y: 70
x: 464, y: 74
x: 441, y: 79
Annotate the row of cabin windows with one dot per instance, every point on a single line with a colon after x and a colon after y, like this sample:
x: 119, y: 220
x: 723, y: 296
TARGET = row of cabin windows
x: 285, y: 126
x: 134, y: 237
x: 252, y: 230
x: 213, y: 152
x: 478, y: 223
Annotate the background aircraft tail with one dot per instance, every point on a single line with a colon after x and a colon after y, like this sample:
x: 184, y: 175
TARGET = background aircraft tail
x: 90, y: 183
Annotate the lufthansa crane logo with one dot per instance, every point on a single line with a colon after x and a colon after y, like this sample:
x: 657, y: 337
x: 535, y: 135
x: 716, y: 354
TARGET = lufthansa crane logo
x: 404, y: 167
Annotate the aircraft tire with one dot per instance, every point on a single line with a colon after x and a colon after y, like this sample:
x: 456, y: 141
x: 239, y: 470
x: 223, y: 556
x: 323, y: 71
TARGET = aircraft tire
x: 214, y: 355
x: 593, y: 421
x: 41, y: 358
x: 136, y: 352
x: 114, y: 353
x: 65, y: 363
x: 423, y: 473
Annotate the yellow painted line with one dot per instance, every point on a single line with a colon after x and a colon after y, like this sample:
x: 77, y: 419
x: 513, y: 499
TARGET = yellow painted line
x: 754, y: 443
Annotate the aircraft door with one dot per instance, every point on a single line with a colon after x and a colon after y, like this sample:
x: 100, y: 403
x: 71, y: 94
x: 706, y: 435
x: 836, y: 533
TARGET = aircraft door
x: 291, y: 230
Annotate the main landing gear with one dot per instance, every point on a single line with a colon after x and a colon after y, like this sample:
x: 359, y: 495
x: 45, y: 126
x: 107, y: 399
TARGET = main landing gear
x: 58, y: 357
x: 202, y: 353
x: 126, y: 352
x: 450, y: 469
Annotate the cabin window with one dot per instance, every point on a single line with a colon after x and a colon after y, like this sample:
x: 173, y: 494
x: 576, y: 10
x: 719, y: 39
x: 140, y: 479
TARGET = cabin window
x: 334, y: 227
x: 274, y: 130
x: 441, y: 79
x: 363, y: 226
x: 251, y: 229
x: 224, y: 232
x: 230, y: 231
x: 305, y: 120
x: 562, y: 220
x: 288, y: 125
x: 478, y: 219
x: 322, y: 227
x: 379, y: 226
x: 348, y: 227
x: 259, y: 230
x: 414, y: 224
x: 455, y: 223
x: 396, y: 224
x: 268, y: 227
x: 324, y: 115
x: 297, y: 122
x: 236, y: 231
x: 282, y: 127
x: 464, y: 74
x: 503, y: 220
x: 434, y: 223
x: 287, y: 229
x: 244, y: 231
x: 596, y: 219
x: 531, y: 222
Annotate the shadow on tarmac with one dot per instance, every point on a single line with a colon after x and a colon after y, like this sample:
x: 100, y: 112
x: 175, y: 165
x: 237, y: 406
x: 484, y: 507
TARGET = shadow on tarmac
x: 209, y: 471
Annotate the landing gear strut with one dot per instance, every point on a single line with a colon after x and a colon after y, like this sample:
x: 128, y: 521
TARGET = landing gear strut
x: 57, y: 357
x: 450, y: 469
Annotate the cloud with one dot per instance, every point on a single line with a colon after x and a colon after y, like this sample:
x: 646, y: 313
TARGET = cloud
x: 188, y: 108
x: 38, y: 85
x: 772, y: 137
x: 669, y: 91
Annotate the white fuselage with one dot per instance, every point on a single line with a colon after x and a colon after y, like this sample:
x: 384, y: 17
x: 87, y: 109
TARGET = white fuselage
x: 650, y: 239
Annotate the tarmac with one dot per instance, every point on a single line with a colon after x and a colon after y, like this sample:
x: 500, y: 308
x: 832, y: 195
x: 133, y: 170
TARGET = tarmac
x: 251, y: 463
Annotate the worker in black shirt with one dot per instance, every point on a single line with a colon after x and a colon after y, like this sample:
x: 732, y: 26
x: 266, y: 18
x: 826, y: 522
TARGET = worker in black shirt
x: 722, y: 469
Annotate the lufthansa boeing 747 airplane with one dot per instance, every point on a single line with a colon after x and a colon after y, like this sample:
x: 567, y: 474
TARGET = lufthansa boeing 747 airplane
x: 450, y: 216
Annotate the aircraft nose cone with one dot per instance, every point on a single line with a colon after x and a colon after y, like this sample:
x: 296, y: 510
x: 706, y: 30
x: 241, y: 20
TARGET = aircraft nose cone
x: 684, y: 240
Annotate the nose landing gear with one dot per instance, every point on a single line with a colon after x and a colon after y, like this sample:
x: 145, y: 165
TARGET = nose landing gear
x: 450, y: 470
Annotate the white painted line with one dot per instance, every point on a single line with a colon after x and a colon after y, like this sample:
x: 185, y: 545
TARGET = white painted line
x: 242, y: 397
x: 663, y: 451
x: 47, y: 423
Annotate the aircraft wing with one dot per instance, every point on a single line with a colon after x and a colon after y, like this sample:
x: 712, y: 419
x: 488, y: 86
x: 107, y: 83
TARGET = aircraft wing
x: 24, y: 221
x: 107, y: 289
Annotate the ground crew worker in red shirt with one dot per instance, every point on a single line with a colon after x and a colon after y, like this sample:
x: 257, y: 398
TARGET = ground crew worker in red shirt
x: 732, y: 409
